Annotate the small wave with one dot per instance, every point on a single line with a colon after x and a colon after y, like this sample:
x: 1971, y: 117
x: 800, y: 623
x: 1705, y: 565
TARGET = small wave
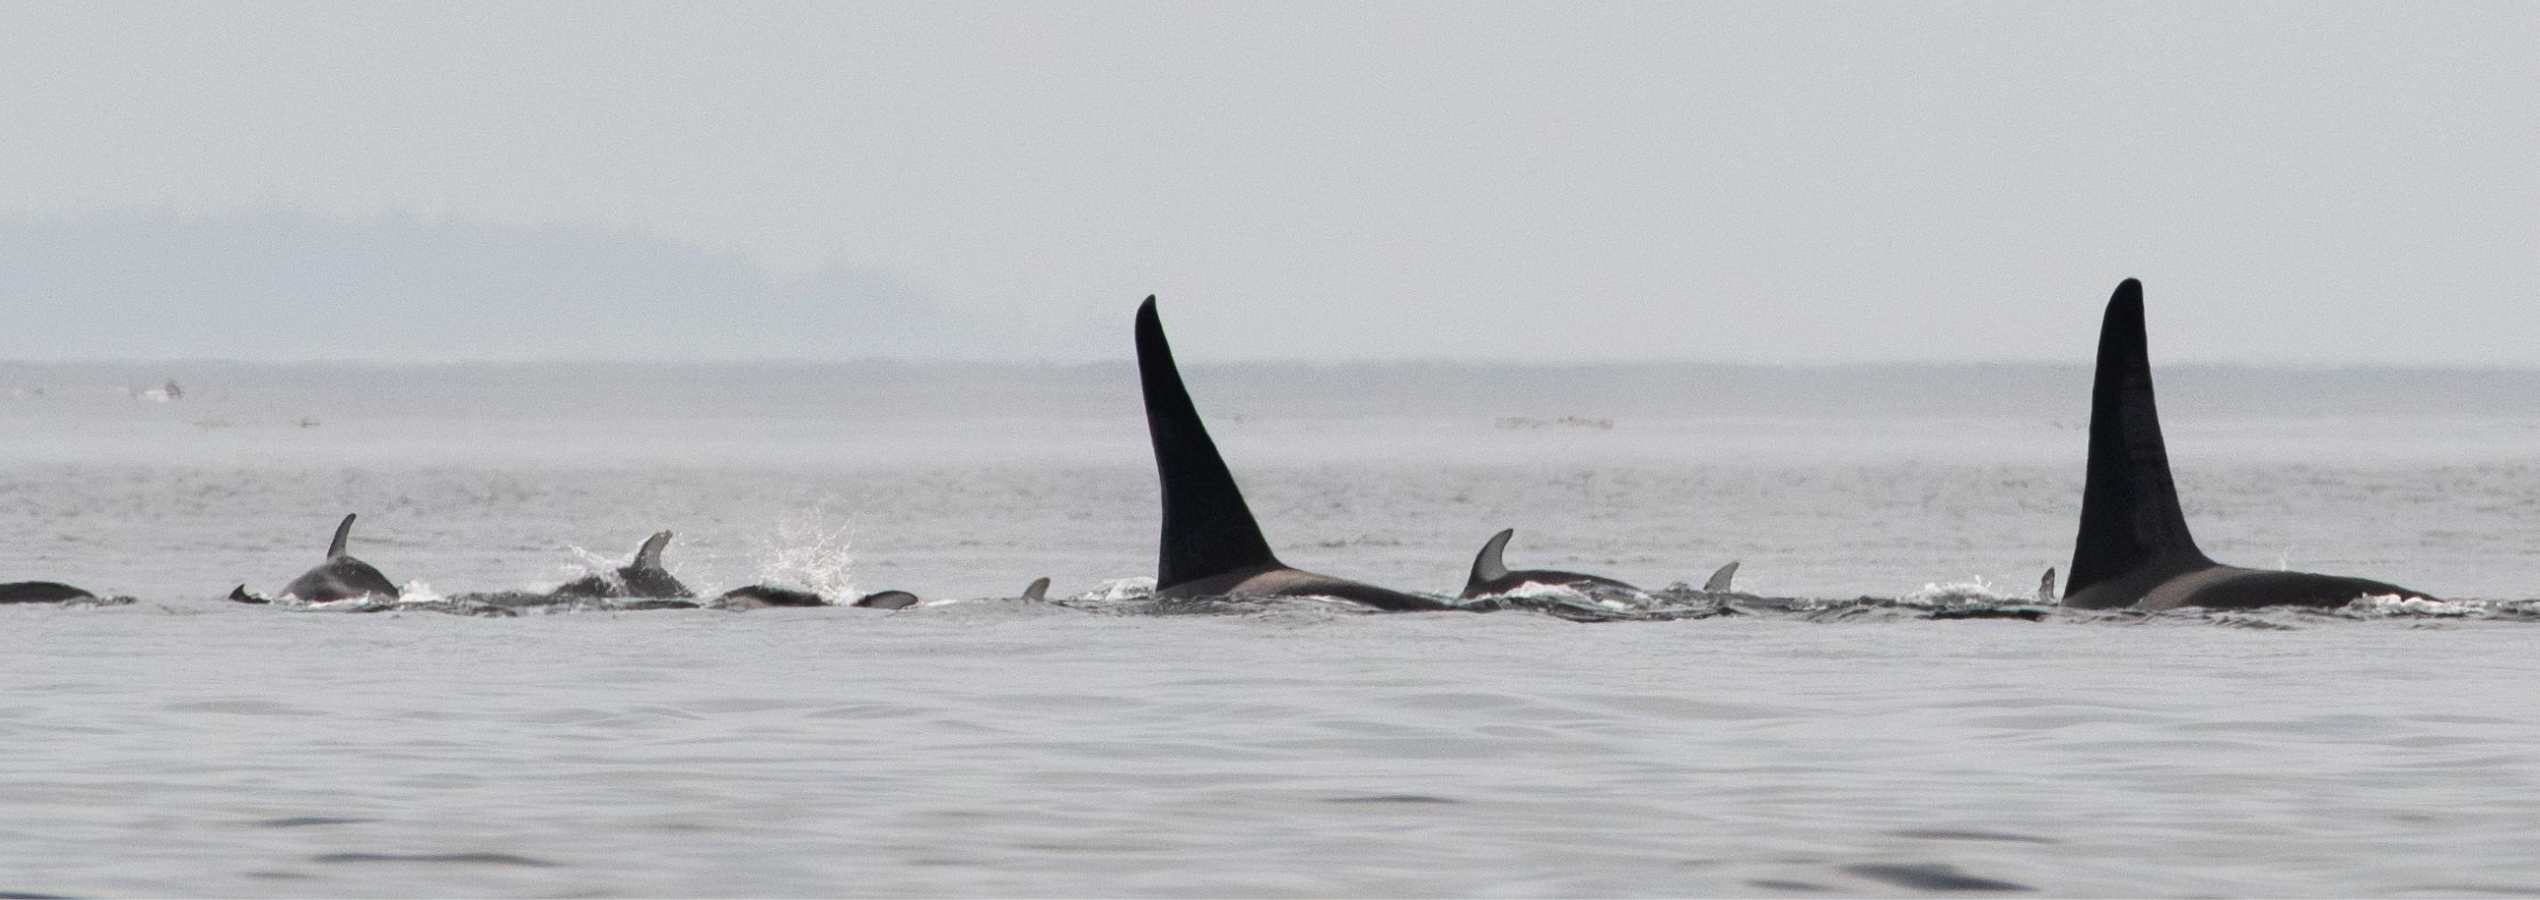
x: 2403, y: 605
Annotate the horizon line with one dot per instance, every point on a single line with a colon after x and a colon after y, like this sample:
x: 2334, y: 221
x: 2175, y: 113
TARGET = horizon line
x: 1440, y: 362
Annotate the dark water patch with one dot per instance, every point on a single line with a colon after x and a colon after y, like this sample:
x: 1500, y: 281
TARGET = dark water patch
x: 510, y: 599
x: 308, y: 822
x: 2022, y: 613
x: 463, y: 859
x: 1394, y: 799
x: 1931, y: 877
x: 2251, y: 621
x: 1688, y: 710
x: 2456, y: 890
x: 1953, y: 834
x: 1776, y: 884
x: 941, y: 862
x: 865, y: 711
x: 241, y: 707
x: 2459, y: 720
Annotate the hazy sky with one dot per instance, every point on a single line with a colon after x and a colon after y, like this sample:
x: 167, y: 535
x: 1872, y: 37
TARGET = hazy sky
x: 1768, y: 182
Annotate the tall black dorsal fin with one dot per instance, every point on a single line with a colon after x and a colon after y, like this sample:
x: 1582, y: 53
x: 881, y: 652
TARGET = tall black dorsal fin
x: 649, y: 555
x: 1487, y: 565
x: 343, y: 530
x: 2129, y: 506
x: 1207, y: 528
x: 1719, y: 581
x: 1038, y: 590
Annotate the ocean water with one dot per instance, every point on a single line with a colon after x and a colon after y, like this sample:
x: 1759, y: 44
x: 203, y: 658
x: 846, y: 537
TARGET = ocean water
x: 1826, y: 733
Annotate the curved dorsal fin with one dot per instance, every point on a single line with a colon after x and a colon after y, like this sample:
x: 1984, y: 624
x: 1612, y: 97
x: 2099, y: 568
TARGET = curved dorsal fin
x: 1039, y: 589
x: 649, y: 555
x: 2129, y: 505
x: 343, y: 530
x: 2046, y: 586
x: 1208, y: 530
x: 1719, y: 581
x: 1488, y: 566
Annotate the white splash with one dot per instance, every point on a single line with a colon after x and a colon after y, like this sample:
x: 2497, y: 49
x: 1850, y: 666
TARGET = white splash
x: 1593, y: 598
x: 586, y: 562
x: 810, y: 554
x: 1974, y: 591
x: 2408, y: 605
x: 1137, y: 587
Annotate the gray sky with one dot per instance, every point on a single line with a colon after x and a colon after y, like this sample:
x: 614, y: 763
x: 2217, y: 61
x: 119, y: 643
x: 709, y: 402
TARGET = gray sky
x: 430, y: 181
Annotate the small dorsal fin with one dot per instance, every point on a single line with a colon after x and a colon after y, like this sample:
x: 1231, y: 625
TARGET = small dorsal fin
x: 1208, y: 529
x: 1038, y: 590
x: 649, y: 555
x: 343, y: 531
x: 2046, y: 586
x: 1488, y: 566
x: 2130, y: 514
x: 1719, y: 581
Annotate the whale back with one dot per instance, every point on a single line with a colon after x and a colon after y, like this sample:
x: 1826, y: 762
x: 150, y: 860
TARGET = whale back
x: 887, y: 600
x: 1208, y: 529
x: 343, y: 533
x: 41, y: 592
x: 2130, y: 515
x: 1488, y: 565
x: 341, y: 578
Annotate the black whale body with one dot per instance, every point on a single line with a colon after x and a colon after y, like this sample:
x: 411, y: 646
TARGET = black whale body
x: 41, y: 592
x: 340, y: 577
x: 1211, y: 546
x: 642, y: 577
x: 2133, y: 549
x: 1491, y: 575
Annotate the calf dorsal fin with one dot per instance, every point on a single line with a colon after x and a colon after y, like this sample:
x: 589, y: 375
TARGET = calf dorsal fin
x: 2130, y: 515
x: 343, y: 532
x: 1208, y: 529
x: 649, y: 555
x: 1038, y: 590
x: 1488, y: 566
x: 1719, y: 583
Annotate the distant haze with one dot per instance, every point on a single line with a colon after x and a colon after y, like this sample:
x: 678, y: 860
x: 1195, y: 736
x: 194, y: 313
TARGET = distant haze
x: 2296, y: 183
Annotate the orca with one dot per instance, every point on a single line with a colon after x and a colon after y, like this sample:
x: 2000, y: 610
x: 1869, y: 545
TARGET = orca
x: 41, y: 592
x: 1038, y: 591
x: 1211, y: 546
x: 1491, y: 575
x: 643, y: 577
x: 2133, y: 549
x: 762, y: 596
x: 340, y: 577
